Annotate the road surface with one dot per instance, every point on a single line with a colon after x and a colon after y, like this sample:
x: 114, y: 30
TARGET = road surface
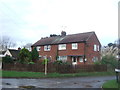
x: 76, y: 82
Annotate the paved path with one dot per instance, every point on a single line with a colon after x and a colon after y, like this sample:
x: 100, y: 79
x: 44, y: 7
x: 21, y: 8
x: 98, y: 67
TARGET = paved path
x: 77, y: 82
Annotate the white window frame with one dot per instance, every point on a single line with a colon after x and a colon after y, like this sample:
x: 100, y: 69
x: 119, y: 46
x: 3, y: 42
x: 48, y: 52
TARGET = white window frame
x: 62, y: 58
x: 47, y: 47
x: 80, y: 59
x: 98, y: 48
x: 74, y: 45
x: 62, y: 46
x: 38, y: 48
x: 44, y: 57
x: 95, y: 47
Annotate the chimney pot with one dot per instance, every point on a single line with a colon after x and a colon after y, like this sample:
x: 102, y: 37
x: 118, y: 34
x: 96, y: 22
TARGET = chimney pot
x: 19, y: 48
x: 63, y: 33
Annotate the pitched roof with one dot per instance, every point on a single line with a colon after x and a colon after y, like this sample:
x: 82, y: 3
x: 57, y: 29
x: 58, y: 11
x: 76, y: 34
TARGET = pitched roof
x: 14, y: 52
x: 80, y: 37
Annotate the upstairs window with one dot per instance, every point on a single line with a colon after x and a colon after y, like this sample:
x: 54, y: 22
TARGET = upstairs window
x: 74, y: 46
x: 47, y: 48
x: 62, y: 47
x: 38, y: 48
x: 95, y: 47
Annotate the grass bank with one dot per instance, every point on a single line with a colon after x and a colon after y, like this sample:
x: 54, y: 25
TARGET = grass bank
x: 111, y: 84
x: 18, y: 74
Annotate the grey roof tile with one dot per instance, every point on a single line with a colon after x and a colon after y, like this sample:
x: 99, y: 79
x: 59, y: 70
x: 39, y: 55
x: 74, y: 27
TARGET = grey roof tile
x: 80, y: 37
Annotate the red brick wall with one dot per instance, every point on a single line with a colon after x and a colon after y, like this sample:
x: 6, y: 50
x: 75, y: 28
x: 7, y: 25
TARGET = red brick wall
x: 69, y: 51
x: 90, y: 53
x: 52, y: 53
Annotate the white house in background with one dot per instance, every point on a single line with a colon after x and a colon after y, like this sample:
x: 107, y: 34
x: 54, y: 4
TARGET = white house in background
x: 8, y: 53
x: 12, y: 53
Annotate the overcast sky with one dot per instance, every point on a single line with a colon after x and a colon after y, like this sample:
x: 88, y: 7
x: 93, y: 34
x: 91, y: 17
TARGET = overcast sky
x: 26, y: 21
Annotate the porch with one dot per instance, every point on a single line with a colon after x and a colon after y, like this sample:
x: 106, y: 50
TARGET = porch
x: 76, y: 59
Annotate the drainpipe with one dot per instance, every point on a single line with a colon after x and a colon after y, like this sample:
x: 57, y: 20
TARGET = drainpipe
x: 57, y: 53
x: 84, y: 52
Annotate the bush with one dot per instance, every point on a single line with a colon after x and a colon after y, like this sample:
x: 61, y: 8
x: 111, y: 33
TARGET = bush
x: 34, y: 55
x: 24, y: 56
x: 57, y: 62
x: 97, y: 63
x: 7, y: 59
x: 31, y: 63
x: 61, y: 62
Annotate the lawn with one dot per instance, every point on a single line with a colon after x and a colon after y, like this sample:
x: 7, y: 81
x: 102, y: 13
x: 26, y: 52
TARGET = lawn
x: 19, y: 74
x: 111, y: 84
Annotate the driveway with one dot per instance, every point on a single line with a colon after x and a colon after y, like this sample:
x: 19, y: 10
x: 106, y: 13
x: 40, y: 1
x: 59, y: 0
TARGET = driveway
x: 77, y: 82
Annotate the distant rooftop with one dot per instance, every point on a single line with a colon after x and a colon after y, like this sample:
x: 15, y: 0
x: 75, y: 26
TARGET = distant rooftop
x: 14, y: 52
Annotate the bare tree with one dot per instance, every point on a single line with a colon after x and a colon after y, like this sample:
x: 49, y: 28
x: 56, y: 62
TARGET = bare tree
x: 6, y: 42
x: 112, y: 49
x: 28, y: 46
x: 109, y: 51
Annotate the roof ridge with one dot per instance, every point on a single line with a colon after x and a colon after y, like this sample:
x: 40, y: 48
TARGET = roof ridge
x: 70, y: 38
x: 69, y: 34
x: 90, y: 36
x: 82, y: 33
x: 13, y: 49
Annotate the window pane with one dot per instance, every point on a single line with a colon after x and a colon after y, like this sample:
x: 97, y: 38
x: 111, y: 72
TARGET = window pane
x: 98, y: 47
x: 81, y: 59
x: 62, y: 58
x: 95, y: 47
x: 74, y: 45
x: 47, y: 48
x: 62, y: 46
x: 38, y: 48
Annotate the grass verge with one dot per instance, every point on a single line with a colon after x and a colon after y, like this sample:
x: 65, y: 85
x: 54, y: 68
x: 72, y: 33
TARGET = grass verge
x: 111, y: 84
x: 19, y: 74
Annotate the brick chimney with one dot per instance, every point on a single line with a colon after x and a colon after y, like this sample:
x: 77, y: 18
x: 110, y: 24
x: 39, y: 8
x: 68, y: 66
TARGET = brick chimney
x: 19, y: 48
x: 63, y: 33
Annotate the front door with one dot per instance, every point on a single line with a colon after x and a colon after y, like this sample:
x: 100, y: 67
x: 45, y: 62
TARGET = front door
x: 74, y: 60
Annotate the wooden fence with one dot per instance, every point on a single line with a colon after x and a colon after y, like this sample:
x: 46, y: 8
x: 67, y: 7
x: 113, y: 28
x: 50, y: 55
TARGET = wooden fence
x: 54, y: 68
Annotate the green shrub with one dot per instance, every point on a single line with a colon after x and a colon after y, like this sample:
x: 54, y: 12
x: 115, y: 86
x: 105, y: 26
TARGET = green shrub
x: 7, y: 59
x: 57, y: 62
x: 97, y: 63
x: 31, y: 63
x: 24, y: 56
x: 60, y: 62
x: 34, y: 55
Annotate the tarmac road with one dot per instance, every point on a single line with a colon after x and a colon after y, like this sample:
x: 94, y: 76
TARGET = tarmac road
x: 76, y: 82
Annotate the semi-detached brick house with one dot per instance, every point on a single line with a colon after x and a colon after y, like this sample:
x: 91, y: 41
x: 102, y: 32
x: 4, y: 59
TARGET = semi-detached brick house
x: 81, y: 48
